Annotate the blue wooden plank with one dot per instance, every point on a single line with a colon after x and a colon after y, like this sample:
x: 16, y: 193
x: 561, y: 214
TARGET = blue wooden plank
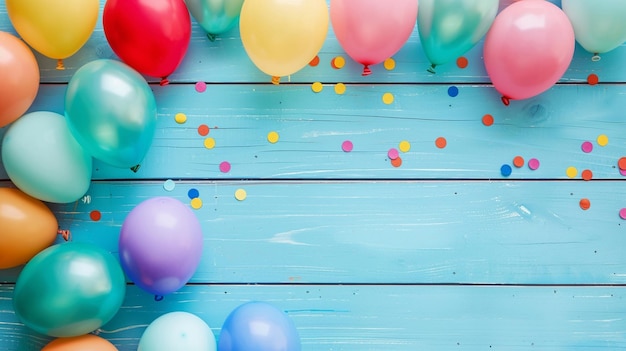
x: 383, y: 231
x: 351, y: 318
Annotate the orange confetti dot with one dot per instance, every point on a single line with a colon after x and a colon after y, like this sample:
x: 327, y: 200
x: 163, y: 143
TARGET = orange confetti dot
x: 462, y: 62
x: 396, y: 162
x: 315, y: 61
x: 441, y: 142
x: 203, y: 129
x: 587, y: 174
x: 622, y: 163
x: 585, y: 204
x: 488, y: 120
x: 518, y: 161
x: 592, y: 79
x: 95, y: 215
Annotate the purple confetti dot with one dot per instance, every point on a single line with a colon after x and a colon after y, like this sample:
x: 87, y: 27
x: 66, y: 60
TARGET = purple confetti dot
x: 225, y: 167
x: 587, y: 147
x: 393, y: 153
x: 201, y: 87
x: 347, y: 146
x: 533, y: 164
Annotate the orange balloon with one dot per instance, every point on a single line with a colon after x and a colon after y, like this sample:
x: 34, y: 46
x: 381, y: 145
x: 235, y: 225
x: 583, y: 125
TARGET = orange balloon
x: 86, y: 342
x: 20, y: 78
x: 27, y: 226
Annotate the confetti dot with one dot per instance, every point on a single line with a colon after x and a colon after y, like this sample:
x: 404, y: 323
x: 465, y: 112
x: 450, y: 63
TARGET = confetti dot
x: 389, y: 64
x: 396, y: 162
x: 315, y: 61
x: 622, y: 213
x: 180, y: 118
x: 602, y: 140
x: 196, y: 203
x: 518, y: 161
x: 404, y: 146
x: 193, y: 193
x: 462, y: 62
x: 571, y: 172
x: 441, y: 142
x: 209, y: 143
x: 240, y: 194
x: 488, y: 120
x: 533, y: 164
x: 203, y: 130
x: 393, y: 153
x: 592, y: 79
x: 338, y: 62
x: 225, y: 167
x: 587, y: 147
x: 388, y: 98
x: 622, y: 163
x: 587, y: 174
x: 453, y: 91
x: 340, y: 88
x: 622, y: 172
x: 347, y: 146
x: 169, y: 185
x: 506, y: 170
x: 201, y: 87
x: 584, y: 204
x: 317, y: 87
x: 272, y: 137
x: 95, y: 215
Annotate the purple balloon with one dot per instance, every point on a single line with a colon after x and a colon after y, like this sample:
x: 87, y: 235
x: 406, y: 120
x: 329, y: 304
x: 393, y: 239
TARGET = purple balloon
x: 160, y: 245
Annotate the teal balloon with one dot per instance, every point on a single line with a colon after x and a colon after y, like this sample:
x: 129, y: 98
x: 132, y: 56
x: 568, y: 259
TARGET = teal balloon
x: 69, y: 289
x: 177, y: 331
x: 450, y: 28
x: 599, y: 25
x: 215, y: 16
x: 112, y: 112
x: 42, y: 158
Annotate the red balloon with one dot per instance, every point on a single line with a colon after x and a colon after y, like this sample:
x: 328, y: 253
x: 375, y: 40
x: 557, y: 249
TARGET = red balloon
x: 151, y: 36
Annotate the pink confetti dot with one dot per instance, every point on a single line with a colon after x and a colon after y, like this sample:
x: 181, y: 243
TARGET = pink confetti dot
x: 225, y: 167
x: 533, y: 164
x: 622, y: 172
x: 201, y: 87
x: 393, y: 153
x: 587, y: 147
x: 347, y: 146
x: 622, y: 213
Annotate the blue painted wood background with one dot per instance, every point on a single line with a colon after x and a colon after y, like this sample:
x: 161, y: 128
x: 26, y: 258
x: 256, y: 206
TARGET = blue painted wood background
x: 440, y: 253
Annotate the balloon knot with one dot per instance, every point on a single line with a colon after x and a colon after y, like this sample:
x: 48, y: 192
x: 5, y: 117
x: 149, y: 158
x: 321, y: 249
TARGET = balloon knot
x: 275, y: 80
x: 431, y: 69
x: 65, y: 234
x: 60, y: 65
x: 135, y: 168
x: 596, y: 57
x: 164, y: 81
x: 506, y: 100
x: 211, y: 36
x: 158, y: 297
x: 366, y: 71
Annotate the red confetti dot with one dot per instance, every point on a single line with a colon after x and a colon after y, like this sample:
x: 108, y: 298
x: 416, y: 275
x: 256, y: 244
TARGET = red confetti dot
x: 203, y: 129
x: 585, y: 204
x: 587, y: 174
x: 488, y: 120
x: 95, y: 215
x: 592, y: 79
x: 396, y: 162
x: 441, y: 142
x: 622, y: 163
x: 462, y: 62
x: 518, y: 161
x: 315, y: 61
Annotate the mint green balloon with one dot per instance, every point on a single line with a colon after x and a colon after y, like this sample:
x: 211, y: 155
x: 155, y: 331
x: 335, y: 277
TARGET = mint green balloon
x: 215, y: 16
x: 177, y: 331
x: 69, y: 289
x: 599, y: 25
x: 450, y: 28
x: 112, y: 112
x: 43, y: 159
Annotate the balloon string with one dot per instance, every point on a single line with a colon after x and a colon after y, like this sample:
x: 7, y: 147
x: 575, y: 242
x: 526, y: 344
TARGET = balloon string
x: 506, y: 100
x: 164, y: 81
x: 366, y: 71
x: 60, y: 65
x: 66, y: 234
x: 431, y: 69
x: 275, y: 80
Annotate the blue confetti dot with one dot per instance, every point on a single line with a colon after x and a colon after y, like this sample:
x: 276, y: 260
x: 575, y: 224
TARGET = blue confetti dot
x: 193, y: 193
x: 453, y: 91
x: 506, y: 170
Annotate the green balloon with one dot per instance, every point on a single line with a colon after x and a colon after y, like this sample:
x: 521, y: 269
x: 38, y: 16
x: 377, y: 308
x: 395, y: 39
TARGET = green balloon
x: 450, y: 28
x: 69, y: 289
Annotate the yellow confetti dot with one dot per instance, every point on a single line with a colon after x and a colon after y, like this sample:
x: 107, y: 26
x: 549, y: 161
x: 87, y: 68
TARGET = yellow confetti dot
x: 272, y: 137
x: 340, y: 88
x: 603, y: 140
x: 180, y: 118
x: 571, y: 172
x: 317, y: 87
x: 240, y: 194
x: 196, y: 203
x: 209, y: 143
x: 338, y: 62
x: 404, y: 146
x: 390, y: 64
x: 388, y: 98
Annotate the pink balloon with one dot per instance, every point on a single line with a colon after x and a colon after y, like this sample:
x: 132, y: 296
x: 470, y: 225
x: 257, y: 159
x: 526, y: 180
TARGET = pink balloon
x: 528, y: 49
x: 371, y: 31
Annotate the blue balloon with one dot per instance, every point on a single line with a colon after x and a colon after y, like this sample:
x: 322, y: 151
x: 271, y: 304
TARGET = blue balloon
x: 258, y: 326
x: 111, y: 112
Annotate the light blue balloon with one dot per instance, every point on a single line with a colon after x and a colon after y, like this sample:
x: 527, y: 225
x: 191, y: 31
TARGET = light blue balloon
x: 450, y: 28
x: 215, y: 16
x: 599, y: 25
x: 111, y: 112
x: 43, y: 159
x: 177, y: 331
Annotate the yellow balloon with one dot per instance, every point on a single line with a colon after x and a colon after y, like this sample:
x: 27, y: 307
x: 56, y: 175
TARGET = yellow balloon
x: 281, y: 37
x: 55, y: 28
